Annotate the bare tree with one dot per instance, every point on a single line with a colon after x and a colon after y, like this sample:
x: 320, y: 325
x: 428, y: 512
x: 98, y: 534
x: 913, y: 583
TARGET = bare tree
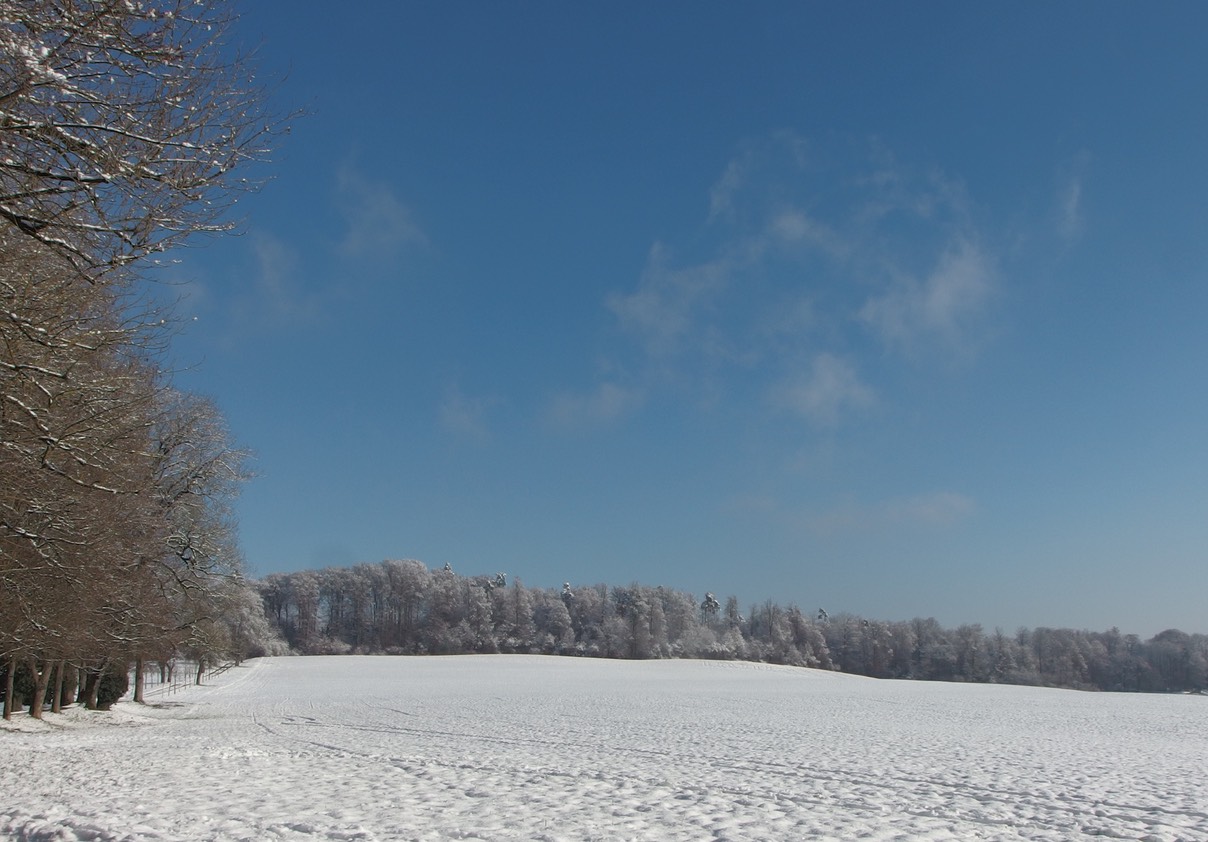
x: 75, y: 398
x: 125, y: 125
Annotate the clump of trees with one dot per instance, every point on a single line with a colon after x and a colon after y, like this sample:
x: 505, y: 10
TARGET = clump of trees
x: 124, y: 128
x: 403, y: 607
x: 1171, y: 661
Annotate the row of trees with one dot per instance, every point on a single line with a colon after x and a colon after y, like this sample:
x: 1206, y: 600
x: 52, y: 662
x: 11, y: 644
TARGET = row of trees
x: 123, y: 127
x: 403, y: 607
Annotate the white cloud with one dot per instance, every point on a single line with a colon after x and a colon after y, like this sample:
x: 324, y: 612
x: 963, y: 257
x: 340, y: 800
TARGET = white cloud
x: 945, y: 306
x: 830, y: 389
x: 794, y: 227
x: 378, y: 223
x: 686, y: 310
x: 804, y: 257
x: 663, y: 310
x: 607, y: 403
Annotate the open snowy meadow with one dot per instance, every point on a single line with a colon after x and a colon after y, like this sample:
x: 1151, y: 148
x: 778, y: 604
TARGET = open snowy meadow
x: 520, y: 747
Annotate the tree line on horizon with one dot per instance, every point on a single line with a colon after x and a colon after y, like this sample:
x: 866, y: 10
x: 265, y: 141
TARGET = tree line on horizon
x: 125, y: 130
x: 406, y: 608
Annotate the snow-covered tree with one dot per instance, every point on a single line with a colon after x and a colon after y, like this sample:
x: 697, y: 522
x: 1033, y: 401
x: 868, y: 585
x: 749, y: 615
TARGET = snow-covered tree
x: 126, y: 127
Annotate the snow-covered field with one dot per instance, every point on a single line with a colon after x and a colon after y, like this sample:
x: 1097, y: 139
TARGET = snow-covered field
x: 517, y: 747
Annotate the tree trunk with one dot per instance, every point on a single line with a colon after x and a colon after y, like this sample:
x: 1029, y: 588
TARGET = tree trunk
x: 201, y: 667
x: 41, y: 679
x: 9, y: 674
x: 138, y: 680
x: 56, y: 699
x: 88, y: 692
x: 68, y: 685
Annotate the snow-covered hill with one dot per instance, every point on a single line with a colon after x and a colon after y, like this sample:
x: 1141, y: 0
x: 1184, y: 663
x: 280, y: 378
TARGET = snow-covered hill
x: 534, y: 748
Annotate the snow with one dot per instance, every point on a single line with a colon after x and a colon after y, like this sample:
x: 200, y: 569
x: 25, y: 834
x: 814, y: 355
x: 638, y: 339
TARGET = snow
x: 536, y: 748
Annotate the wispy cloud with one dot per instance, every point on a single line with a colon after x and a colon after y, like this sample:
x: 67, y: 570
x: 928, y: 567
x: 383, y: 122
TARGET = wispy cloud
x: 830, y: 389
x: 945, y: 306
x: 274, y: 293
x: 892, y: 192
x: 932, y: 510
x: 377, y: 223
x: 1069, y: 213
x: 808, y: 253
x: 280, y: 294
x: 793, y: 226
x: 663, y: 311
x: 1069, y: 208
x: 746, y: 176
x: 793, y: 318
x: 607, y: 403
x: 721, y: 195
x: 465, y: 416
x: 940, y: 508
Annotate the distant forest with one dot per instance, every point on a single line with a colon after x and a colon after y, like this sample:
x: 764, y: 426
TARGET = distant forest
x: 405, y: 608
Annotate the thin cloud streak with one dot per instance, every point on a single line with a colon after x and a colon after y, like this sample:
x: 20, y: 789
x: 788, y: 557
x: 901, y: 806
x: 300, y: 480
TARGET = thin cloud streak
x: 830, y: 390
x: 607, y: 403
x: 1069, y: 208
x: 861, y: 247
x: 934, y: 510
x: 275, y: 296
x: 377, y: 223
x: 664, y: 311
x: 944, y: 307
x: 465, y: 416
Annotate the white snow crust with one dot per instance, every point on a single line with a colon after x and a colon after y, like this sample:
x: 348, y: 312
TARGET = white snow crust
x: 537, y: 748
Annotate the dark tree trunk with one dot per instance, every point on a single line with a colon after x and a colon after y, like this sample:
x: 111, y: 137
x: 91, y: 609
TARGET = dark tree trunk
x: 138, y: 680
x: 67, y: 686
x: 41, y: 679
x: 56, y: 685
x: 9, y: 673
x: 89, y: 688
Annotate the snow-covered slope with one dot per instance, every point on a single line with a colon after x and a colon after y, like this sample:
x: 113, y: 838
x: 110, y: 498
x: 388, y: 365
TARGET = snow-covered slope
x: 516, y: 747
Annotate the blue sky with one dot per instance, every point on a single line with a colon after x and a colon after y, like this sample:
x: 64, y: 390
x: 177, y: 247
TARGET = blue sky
x: 891, y: 309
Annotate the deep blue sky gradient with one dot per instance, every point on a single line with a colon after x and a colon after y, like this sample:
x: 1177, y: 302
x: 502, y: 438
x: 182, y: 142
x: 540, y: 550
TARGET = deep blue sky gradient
x: 892, y: 309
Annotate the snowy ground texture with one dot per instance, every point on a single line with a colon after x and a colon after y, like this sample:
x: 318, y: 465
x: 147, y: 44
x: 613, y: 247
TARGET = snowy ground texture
x: 533, y: 748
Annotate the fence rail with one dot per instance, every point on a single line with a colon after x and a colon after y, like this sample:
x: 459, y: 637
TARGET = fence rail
x: 164, y: 679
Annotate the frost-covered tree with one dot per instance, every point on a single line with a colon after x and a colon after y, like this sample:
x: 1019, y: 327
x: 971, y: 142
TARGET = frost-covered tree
x: 447, y: 613
x: 125, y: 127
x: 808, y: 639
x: 515, y: 629
x: 682, y: 619
x: 972, y: 664
x: 554, y: 629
